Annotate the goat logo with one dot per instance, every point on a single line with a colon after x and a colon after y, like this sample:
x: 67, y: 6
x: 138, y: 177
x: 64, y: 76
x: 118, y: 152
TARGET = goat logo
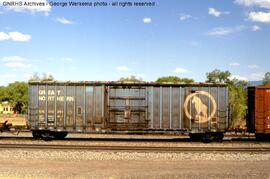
x: 201, y: 110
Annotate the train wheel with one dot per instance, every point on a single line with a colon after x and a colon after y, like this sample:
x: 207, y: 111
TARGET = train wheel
x: 36, y: 134
x: 207, y: 138
x: 47, y: 136
x: 219, y: 137
x: 195, y: 136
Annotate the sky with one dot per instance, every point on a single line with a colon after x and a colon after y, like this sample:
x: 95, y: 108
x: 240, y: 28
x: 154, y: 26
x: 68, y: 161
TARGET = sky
x: 184, y: 38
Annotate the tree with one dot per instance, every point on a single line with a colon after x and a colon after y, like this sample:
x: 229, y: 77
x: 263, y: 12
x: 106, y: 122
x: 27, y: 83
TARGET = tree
x: 266, y: 79
x: 131, y: 78
x: 3, y: 94
x: 34, y: 77
x: 237, y: 101
x: 45, y: 77
x: 237, y: 95
x: 174, y: 79
x: 218, y: 76
x: 17, y: 95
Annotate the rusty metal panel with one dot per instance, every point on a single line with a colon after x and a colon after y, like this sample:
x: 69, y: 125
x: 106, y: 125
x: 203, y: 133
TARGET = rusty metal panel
x: 267, y: 110
x: 259, y: 109
x: 262, y: 109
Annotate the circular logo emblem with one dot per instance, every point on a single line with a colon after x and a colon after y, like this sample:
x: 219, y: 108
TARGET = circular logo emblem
x: 201, y: 110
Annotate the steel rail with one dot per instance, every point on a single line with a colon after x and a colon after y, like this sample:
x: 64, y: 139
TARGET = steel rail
x: 134, y: 148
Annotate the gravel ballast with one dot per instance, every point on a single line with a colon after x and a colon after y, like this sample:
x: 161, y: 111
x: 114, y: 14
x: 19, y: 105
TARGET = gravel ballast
x: 36, y: 163
x: 92, y: 155
x: 32, y: 163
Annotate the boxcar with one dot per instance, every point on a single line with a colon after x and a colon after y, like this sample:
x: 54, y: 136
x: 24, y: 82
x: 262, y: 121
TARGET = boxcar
x: 258, y: 118
x: 58, y: 108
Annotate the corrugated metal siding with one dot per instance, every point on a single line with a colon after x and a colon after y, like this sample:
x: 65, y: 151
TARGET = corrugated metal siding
x: 169, y: 111
x: 267, y: 110
x: 86, y: 107
x: 262, y: 109
x: 259, y: 110
x: 65, y: 107
x: 258, y: 119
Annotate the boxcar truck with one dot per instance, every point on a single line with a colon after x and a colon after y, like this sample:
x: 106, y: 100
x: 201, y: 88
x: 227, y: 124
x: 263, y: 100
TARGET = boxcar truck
x: 258, y: 117
x: 59, y: 108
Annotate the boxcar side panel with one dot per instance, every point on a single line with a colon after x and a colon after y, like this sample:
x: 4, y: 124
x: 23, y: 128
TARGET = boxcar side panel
x: 79, y: 107
x: 262, y: 109
x: 188, y: 108
x: 66, y: 107
x: 267, y: 110
x: 156, y: 108
x: 42, y: 111
x: 259, y: 110
x: 33, y: 105
x: 90, y: 107
x: 175, y: 108
x: 165, y: 108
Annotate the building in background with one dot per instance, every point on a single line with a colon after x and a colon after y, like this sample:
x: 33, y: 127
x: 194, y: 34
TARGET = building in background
x: 6, y: 108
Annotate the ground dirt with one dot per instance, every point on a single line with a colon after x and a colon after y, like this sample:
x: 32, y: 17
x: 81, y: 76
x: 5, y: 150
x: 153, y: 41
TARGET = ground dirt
x: 139, y: 168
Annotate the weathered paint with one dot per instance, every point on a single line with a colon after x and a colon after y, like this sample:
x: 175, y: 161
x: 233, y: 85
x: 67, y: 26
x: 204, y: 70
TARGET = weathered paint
x: 88, y: 106
x: 258, y: 119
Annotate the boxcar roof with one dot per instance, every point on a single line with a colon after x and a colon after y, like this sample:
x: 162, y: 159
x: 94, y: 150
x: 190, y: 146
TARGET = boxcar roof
x: 265, y: 87
x: 260, y: 87
x: 117, y: 83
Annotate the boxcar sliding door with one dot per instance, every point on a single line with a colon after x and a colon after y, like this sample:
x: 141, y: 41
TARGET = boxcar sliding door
x: 127, y: 107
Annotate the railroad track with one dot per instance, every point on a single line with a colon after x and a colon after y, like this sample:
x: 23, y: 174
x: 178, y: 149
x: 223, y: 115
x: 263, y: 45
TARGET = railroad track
x: 134, y: 148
